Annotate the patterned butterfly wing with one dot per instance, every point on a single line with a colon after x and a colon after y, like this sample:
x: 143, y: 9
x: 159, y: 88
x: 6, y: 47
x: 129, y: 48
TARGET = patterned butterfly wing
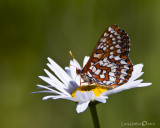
x: 109, y: 63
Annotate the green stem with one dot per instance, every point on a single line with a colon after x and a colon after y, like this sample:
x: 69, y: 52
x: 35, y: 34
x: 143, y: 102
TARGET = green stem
x: 94, y: 115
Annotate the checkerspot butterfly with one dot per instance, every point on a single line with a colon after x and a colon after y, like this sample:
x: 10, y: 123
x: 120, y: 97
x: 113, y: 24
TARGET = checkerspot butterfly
x: 109, y: 64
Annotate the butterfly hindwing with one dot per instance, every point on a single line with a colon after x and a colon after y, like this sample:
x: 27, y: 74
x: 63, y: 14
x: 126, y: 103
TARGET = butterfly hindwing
x: 109, y: 63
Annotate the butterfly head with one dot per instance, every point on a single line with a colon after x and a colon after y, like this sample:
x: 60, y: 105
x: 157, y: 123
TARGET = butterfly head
x: 84, y: 76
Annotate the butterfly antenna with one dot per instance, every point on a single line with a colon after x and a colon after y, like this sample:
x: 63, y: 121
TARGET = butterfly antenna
x: 73, y: 65
x: 71, y: 55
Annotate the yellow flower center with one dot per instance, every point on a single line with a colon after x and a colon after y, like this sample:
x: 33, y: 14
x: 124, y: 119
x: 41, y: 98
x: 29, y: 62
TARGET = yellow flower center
x: 86, y: 88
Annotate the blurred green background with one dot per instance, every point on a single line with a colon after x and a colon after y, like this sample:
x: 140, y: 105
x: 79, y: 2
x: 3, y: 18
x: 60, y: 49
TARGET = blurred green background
x: 32, y: 30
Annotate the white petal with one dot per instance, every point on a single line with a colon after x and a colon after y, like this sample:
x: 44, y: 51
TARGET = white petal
x: 80, y: 96
x: 63, y: 76
x: 59, y: 97
x: 134, y: 77
x: 86, y: 96
x: 76, y: 64
x: 137, y: 68
x: 42, y: 92
x: 144, y: 84
x: 54, y: 79
x: 57, y: 86
x: 101, y: 99
x: 45, y: 87
x: 68, y: 71
x: 125, y: 86
x: 59, y: 71
x: 89, y: 95
x: 86, y: 58
x: 73, y: 72
x: 136, y: 72
x: 78, y: 80
x: 49, y: 86
x: 82, y: 106
x: 51, y: 90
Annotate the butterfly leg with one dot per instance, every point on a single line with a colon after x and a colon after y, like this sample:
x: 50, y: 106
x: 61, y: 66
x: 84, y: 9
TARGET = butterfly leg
x: 113, y: 86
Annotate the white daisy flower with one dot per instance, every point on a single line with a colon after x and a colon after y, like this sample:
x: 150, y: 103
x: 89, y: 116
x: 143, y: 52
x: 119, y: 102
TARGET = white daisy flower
x: 67, y: 85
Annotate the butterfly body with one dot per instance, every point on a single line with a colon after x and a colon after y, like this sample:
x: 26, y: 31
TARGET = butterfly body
x: 109, y: 64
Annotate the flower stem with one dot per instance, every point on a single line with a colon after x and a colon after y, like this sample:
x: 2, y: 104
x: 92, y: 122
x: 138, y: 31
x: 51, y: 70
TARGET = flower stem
x: 94, y: 115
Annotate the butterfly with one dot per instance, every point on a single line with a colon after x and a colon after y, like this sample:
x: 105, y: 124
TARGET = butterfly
x: 109, y: 64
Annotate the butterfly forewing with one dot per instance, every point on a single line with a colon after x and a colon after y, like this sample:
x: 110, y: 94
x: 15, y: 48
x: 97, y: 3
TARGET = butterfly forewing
x: 109, y: 63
